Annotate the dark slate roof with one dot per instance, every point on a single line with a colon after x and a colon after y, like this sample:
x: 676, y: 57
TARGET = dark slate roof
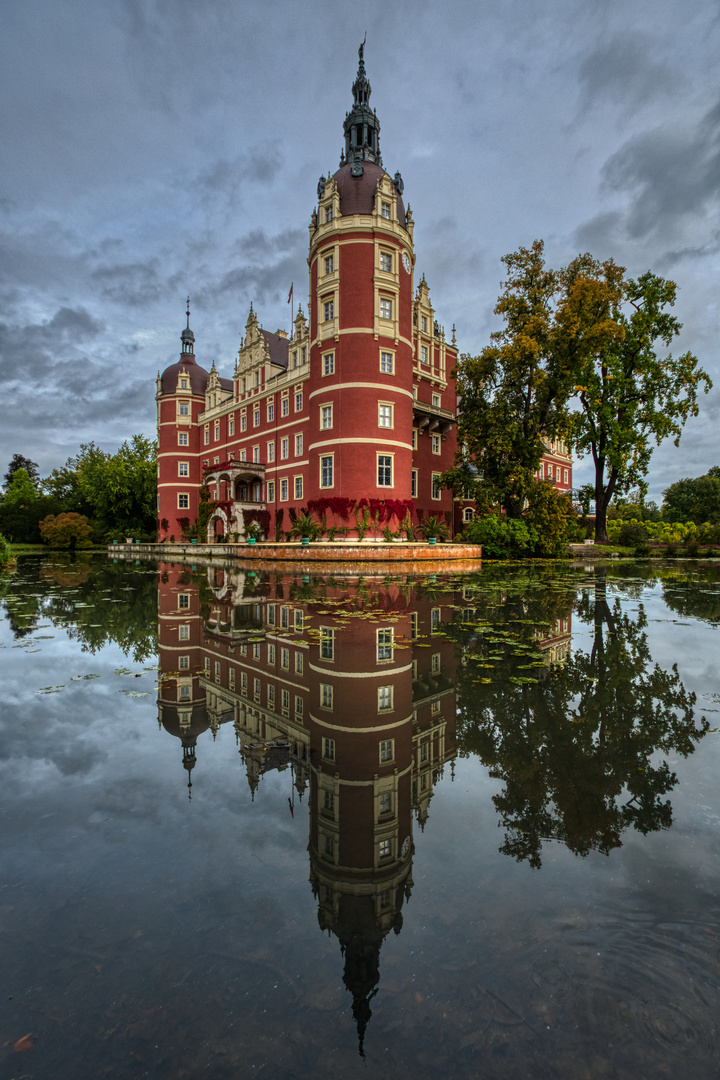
x: 357, y: 193
x: 198, y: 376
x: 227, y: 384
x: 278, y: 347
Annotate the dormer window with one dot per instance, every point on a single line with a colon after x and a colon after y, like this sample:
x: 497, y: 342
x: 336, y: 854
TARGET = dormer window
x: 183, y: 384
x: 328, y: 214
x: 385, y: 210
x: 423, y: 324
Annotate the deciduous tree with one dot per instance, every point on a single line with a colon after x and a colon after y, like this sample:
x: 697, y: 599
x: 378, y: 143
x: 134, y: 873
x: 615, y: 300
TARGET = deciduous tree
x: 695, y: 500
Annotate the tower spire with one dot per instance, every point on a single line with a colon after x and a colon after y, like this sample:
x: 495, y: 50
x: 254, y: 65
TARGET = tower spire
x: 187, y: 337
x: 362, y: 127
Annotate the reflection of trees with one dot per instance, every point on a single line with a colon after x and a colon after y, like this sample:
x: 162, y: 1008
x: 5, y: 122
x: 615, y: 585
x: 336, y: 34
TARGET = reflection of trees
x: 577, y: 749
x: 95, y: 602
x: 693, y: 593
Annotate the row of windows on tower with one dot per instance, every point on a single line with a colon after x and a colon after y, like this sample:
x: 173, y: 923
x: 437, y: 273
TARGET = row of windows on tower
x: 385, y: 212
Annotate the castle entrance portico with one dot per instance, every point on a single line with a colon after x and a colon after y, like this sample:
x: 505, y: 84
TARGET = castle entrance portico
x: 237, y: 487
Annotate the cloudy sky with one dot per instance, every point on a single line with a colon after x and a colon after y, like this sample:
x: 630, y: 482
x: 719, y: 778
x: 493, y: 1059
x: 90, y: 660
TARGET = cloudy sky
x: 155, y: 148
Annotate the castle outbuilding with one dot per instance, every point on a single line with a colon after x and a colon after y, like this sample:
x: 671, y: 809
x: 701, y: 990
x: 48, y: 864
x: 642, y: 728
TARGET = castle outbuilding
x: 354, y: 415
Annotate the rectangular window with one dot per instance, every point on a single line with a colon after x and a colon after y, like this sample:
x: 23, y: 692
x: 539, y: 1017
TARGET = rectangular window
x: 243, y: 682
x: 270, y: 411
x: 184, y: 600
x: 231, y: 678
x: 385, y: 416
x: 285, y: 659
x: 436, y: 401
x: 256, y: 418
x: 327, y: 643
x: 329, y: 802
x: 423, y: 753
x: 387, y: 363
x: 271, y: 696
x: 304, y: 355
x: 231, y: 427
x: 182, y: 438
x: 284, y: 448
x: 243, y: 455
x: 385, y: 703
x: 326, y: 417
x: 284, y: 618
x: 414, y: 484
x: 328, y: 364
x: 328, y: 214
x: 256, y: 689
x: 271, y: 491
x: 384, y: 644
x: 386, y: 802
x: 184, y: 633
x: 299, y: 663
x: 256, y: 650
x: 423, y: 354
x: 328, y: 309
x: 256, y: 455
x: 329, y: 264
x: 184, y: 408
x: 183, y: 468
x: 386, y: 262
x: 298, y: 621
x: 271, y: 451
x: 565, y: 476
x: 298, y: 445
x: 217, y: 432
x: 387, y: 746
x: 436, y: 492
x: 271, y: 654
x: 298, y: 487
x: 206, y: 435
x: 298, y: 705
x: 384, y: 470
x: 326, y: 471
x: 385, y: 210
x: 183, y: 663
x: 286, y: 700
x: 423, y: 324
x: 436, y: 444
x: 243, y: 422
x: 298, y: 401
x: 184, y: 693
x: 435, y: 663
x: 385, y: 309
x: 183, y: 502
x: 413, y: 625
x: 326, y: 701
x: 283, y: 491
x: 385, y: 849
x: 270, y: 614
x: 414, y: 438
x: 557, y: 473
x: 285, y: 406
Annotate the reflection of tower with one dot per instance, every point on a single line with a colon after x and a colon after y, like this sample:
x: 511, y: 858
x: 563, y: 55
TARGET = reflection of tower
x: 182, y: 708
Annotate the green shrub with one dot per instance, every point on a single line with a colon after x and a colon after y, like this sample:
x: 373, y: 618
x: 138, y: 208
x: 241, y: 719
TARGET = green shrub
x: 5, y: 554
x: 66, y: 531
x: 632, y: 534
x: 502, y: 537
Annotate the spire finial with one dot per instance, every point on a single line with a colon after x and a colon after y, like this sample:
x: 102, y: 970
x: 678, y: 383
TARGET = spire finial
x: 188, y: 313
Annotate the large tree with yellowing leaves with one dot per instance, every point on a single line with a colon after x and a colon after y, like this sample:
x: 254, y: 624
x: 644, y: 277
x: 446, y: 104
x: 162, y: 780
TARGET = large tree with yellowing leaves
x: 629, y: 397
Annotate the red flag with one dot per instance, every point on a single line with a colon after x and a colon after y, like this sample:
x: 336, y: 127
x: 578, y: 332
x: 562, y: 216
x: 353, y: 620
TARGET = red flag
x: 290, y: 293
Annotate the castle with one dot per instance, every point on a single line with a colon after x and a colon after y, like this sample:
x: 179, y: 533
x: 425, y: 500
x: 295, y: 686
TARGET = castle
x: 353, y: 416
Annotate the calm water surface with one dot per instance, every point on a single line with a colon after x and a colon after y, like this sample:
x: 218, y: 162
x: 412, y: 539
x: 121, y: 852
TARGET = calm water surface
x: 280, y: 825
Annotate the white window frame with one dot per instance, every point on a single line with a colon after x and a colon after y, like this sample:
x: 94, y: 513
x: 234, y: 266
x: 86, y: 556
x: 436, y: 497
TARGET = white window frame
x: 328, y: 364
x: 435, y: 489
x: 327, y: 471
x: 326, y: 417
x: 284, y: 496
x: 183, y: 468
x: 386, y: 415
x: 386, y: 307
x: 298, y: 487
x: 385, y: 466
x: 182, y: 438
x: 183, y: 500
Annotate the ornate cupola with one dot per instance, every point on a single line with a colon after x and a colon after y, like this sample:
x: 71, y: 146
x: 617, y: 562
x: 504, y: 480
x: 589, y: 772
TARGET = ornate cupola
x: 187, y: 337
x: 362, y: 127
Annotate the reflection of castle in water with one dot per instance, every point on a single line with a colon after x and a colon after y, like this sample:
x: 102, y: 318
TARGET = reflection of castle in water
x: 348, y: 683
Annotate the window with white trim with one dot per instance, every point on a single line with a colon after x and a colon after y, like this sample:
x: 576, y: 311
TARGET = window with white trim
x: 329, y: 264
x: 387, y: 746
x: 184, y: 600
x: 217, y: 431
x: 183, y: 663
x: 384, y: 470
x: 326, y: 702
x: 298, y: 705
x: 385, y: 211
x: 385, y: 416
x: 436, y: 401
x: 414, y: 484
x: 231, y: 427
x: 385, y: 700
x: 206, y: 434
x: 283, y: 491
x: 385, y: 849
x: 385, y: 802
x: 326, y: 417
x: 298, y: 445
x: 328, y: 310
x: 285, y: 659
x: 423, y: 354
x: 285, y: 405
x: 182, y: 438
x: 243, y: 422
x: 284, y: 448
x: 384, y: 643
x: 183, y: 501
x: 423, y: 324
x: 184, y: 408
x: 468, y: 513
x: 256, y: 455
x: 387, y: 363
x: 385, y: 308
x: 183, y: 468
x: 327, y: 465
x: 271, y: 491
x: 327, y: 643
x: 386, y: 261
x: 436, y: 444
x: 271, y: 451
x: 299, y: 663
x: 328, y: 214
x: 298, y: 487
x: 298, y: 401
x: 436, y: 491
x: 184, y: 633
x: 328, y: 363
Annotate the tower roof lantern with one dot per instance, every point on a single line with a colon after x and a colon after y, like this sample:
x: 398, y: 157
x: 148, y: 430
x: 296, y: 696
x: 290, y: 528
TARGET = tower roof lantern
x: 362, y: 127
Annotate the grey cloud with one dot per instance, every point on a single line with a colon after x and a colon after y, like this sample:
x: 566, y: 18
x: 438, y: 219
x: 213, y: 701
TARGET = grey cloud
x: 137, y: 284
x: 624, y: 70
x: 670, y: 173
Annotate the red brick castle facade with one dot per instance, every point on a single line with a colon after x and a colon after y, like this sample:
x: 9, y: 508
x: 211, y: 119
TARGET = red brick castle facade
x: 354, y: 415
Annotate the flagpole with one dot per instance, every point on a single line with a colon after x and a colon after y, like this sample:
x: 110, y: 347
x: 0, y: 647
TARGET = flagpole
x: 291, y: 302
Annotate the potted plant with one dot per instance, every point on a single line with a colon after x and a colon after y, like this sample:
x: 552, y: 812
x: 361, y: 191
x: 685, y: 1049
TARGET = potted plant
x: 252, y: 533
x: 433, y: 529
